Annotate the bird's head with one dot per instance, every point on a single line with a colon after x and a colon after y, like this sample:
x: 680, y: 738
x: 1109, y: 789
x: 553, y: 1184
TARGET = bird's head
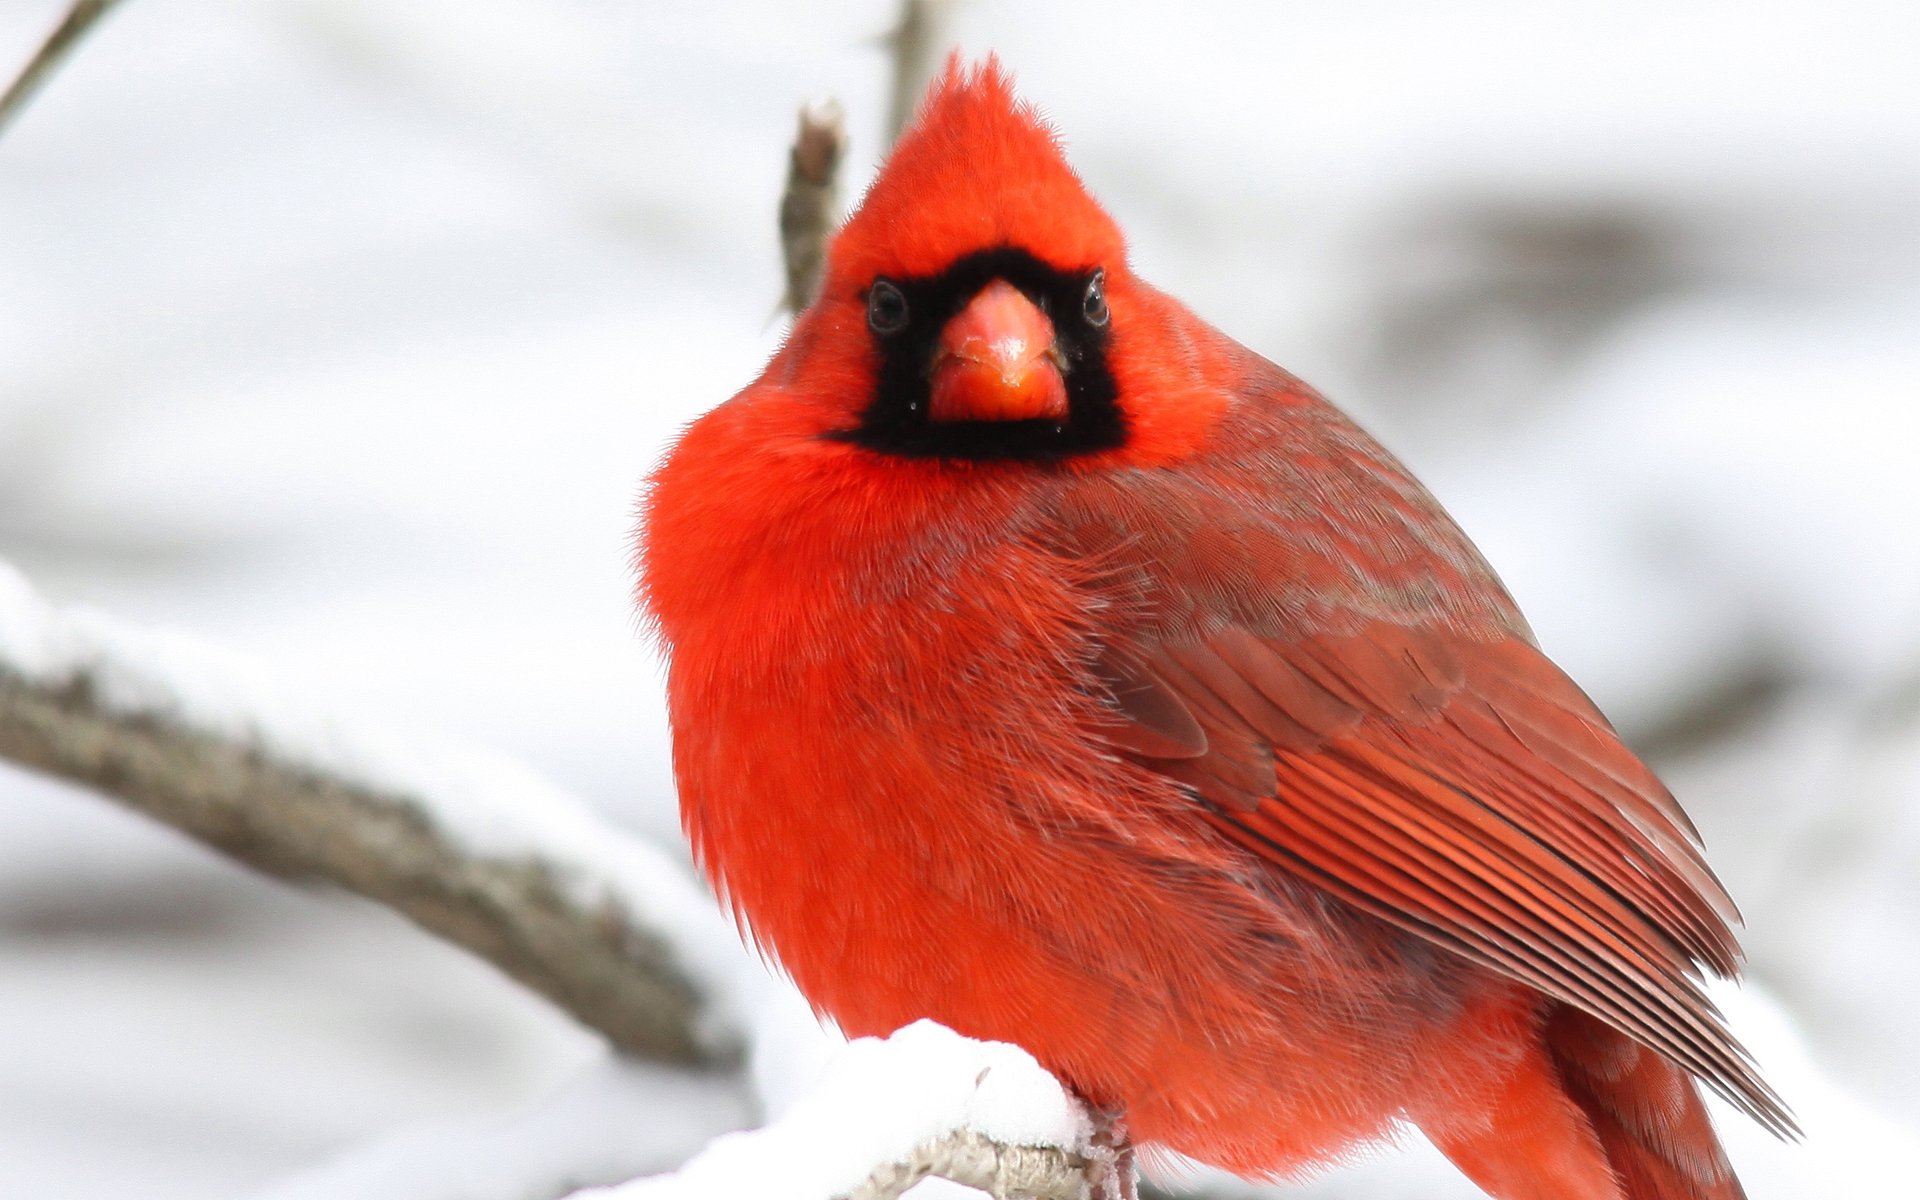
x: 978, y: 305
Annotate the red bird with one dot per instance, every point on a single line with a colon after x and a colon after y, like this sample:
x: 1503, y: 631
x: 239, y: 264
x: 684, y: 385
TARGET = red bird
x: 1046, y: 663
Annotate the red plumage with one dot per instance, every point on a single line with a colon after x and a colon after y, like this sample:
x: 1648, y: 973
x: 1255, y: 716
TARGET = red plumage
x: 1185, y: 742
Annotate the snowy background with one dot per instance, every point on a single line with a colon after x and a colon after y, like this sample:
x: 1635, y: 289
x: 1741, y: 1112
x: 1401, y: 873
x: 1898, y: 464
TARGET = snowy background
x: 339, y: 332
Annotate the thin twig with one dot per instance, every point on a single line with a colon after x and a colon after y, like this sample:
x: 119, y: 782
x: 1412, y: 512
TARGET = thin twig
x: 809, y: 205
x: 82, y: 16
x: 918, y: 43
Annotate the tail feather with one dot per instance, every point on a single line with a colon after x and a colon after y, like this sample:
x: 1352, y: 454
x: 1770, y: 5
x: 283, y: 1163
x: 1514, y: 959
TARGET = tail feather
x: 1646, y: 1112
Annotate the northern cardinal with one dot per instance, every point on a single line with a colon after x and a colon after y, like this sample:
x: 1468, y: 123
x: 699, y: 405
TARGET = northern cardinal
x: 1045, y: 663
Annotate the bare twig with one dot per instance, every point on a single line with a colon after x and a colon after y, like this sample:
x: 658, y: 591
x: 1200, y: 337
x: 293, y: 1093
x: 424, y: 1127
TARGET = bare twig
x: 1002, y: 1171
x: 557, y: 921
x: 82, y: 16
x: 810, y: 204
x: 918, y: 43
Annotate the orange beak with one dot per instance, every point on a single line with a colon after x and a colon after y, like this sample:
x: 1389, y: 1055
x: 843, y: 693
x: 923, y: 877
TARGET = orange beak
x: 996, y: 361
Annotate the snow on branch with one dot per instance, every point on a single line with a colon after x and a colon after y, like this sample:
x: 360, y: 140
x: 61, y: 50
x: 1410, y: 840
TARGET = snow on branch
x: 470, y: 846
x: 924, y: 1102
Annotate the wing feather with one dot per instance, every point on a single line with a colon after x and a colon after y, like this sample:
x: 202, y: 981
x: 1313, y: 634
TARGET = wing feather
x: 1467, y: 792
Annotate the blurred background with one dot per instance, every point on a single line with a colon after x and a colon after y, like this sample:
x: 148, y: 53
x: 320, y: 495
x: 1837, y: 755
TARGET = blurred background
x: 340, y: 332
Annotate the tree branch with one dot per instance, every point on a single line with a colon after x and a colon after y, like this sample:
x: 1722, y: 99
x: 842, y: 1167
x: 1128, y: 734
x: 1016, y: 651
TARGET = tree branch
x: 972, y: 1160
x: 918, y: 43
x: 810, y: 203
x: 572, y: 909
x: 82, y: 16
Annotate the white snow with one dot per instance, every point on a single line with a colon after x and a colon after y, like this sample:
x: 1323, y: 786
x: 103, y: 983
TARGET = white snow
x: 877, y: 1101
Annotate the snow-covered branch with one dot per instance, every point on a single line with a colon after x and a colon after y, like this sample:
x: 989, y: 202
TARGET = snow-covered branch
x: 468, y: 845
x: 924, y: 1102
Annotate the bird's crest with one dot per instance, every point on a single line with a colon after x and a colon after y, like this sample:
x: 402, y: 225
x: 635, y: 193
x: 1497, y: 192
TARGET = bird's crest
x: 978, y: 168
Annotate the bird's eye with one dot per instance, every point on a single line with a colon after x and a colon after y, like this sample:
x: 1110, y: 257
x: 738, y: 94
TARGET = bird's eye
x: 1094, y: 307
x: 886, y: 307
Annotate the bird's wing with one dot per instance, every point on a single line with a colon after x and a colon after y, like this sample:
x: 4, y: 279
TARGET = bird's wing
x: 1295, y: 631
x: 1464, y: 790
